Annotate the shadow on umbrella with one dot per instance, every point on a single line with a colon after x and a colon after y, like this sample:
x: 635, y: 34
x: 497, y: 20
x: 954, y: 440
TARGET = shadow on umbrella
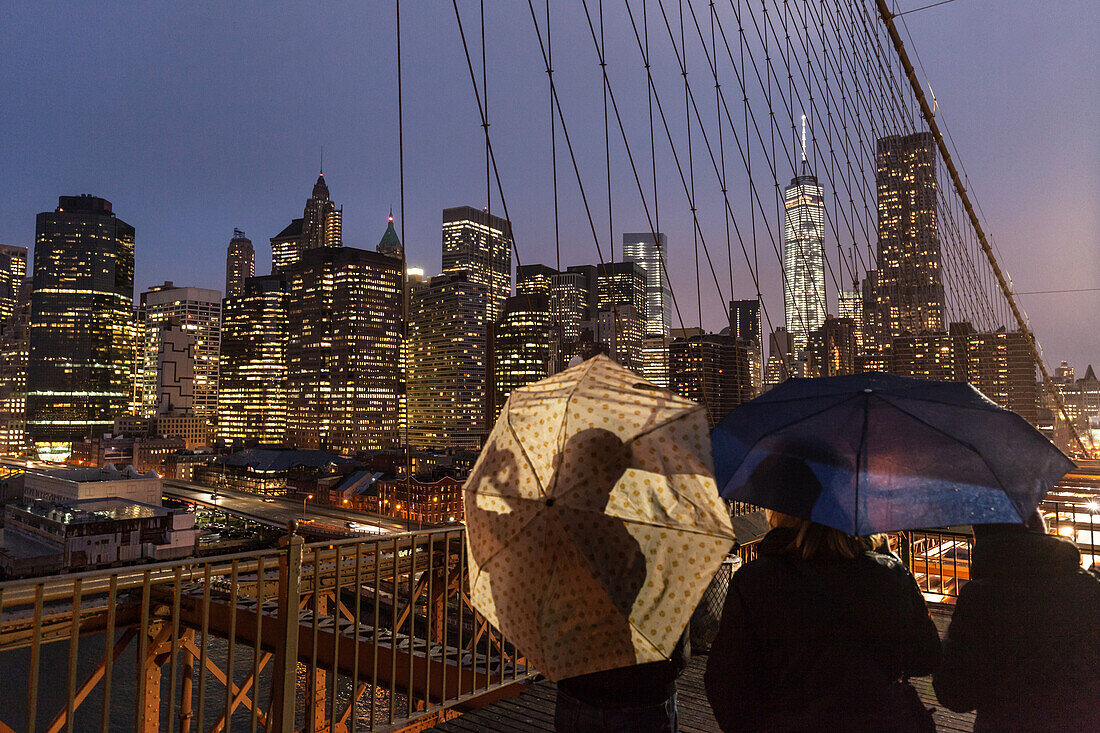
x: 596, y: 568
x: 591, y: 464
x: 787, y: 470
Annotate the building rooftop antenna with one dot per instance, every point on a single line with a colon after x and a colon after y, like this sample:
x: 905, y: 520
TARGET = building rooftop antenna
x: 803, y: 144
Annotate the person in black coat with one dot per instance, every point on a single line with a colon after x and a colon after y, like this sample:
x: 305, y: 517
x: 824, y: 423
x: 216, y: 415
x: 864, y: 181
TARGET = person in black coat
x: 1023, y: 647
x: 636, y: 699
x: 821, y: 632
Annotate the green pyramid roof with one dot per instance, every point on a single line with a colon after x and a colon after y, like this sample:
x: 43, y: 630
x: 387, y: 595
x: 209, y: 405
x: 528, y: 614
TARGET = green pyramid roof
x: 390, y: 244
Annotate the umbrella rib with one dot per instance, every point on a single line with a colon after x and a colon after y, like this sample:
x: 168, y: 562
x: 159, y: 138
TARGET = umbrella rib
x: 784, y: 426
x: 591, y: 364
x: 966, y: 444
x: 861, y: 458
x: 658, y: 525
x: 504, y: 543
x: 523, y: 450
x: 691, y: 410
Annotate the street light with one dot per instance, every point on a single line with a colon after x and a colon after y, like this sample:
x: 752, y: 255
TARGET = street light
x: 310, y: 496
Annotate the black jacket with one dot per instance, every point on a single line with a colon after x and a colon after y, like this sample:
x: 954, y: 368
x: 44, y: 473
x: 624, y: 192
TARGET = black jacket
x: 1023, y: 647
x: 819, y: 644
x: 636, y: 686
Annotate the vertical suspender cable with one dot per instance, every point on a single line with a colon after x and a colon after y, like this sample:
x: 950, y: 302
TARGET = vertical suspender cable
x: 407, y: 355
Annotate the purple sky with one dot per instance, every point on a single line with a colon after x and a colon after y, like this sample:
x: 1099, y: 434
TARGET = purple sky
x: 195, y: 118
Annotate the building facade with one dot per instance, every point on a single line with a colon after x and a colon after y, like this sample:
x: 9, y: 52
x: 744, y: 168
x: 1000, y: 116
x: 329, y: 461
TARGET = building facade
x: 253, y: 390
x: 621, y: 308
x: 523, y: 346
x: 651, y: 252
x: 909, y: 287
x: 81, y: 535
x: 78, y: 374
x: 240, y: 263
x: 197, y: 311
x: 712, y: 370
x: 13, y: 280
x: 480, y: 245
x: 850, y: 305
x: 343, y: 354
x: 447, y: 396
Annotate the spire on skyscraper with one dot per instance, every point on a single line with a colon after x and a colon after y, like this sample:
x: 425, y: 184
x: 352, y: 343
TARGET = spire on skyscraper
x: 320, y: 189
x: 390, y: 244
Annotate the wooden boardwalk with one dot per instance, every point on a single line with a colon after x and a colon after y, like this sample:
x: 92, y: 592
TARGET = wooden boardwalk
x: 533, y: 710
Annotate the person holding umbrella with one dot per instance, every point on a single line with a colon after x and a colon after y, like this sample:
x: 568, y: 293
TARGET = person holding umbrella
x: 823, y: 630
x: 593, y: 528
x: 820, y: 632
x: 1023, y: 647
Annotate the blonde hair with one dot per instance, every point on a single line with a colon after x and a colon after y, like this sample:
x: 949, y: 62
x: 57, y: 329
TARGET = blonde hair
x: 812, y: 539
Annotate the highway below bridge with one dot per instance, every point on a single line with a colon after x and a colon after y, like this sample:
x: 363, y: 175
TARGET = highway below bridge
x: 313, y: 519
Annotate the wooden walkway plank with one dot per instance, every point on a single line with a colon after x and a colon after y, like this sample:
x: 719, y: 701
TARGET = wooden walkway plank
x: 533, y: 709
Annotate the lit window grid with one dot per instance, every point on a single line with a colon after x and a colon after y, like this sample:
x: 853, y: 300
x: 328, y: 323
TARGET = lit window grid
x: 803, y: 259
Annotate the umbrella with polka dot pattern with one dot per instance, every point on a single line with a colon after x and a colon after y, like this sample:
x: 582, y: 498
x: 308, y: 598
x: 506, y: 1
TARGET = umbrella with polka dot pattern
x: 593, y: 520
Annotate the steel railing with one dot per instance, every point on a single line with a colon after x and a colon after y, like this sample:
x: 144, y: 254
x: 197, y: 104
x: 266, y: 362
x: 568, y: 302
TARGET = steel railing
x: 940, y: 559
x: 368, y: 633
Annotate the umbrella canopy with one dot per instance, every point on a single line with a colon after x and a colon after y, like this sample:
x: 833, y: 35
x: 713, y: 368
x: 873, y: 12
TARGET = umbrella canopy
x: 868, y: 453
x: 593, y: 522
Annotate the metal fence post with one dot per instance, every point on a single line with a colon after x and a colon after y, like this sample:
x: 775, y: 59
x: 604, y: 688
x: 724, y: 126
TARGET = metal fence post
x: 284, y: 675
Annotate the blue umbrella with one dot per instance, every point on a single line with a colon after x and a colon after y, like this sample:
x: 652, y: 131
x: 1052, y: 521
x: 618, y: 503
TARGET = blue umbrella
x: 868, y: 453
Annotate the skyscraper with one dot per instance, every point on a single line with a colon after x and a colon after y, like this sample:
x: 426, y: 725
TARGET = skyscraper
x: 803, y: 257
x: 780, y: 364
x: 745, y: 321
x: 175, y: 368
x: 712, y: 370
x: 448, y: 401
x: 78, y: 366
x: 13, y: 275
x: 344, y: 350
x: 13, y: 375
x: 321, y: 225
x: 480, y: 244
x: 746, y: 326
x: 650, y: 252
x: 850, y: 305
x: 252, y: 390
x: 910, y: 281
x: 571, y: 293
x: 654, y: 360
x: 832, y: 348
x: 197, y: 310
x: 621, y: 294
x: 523, y: 346
x: 240, y: 263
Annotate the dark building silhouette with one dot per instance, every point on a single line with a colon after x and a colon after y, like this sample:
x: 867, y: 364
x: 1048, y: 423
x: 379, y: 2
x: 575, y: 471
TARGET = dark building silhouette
x: 712, y: 370
x: 80, y: 354
x: 321, y: 225
x: 832, y: 348
x: 523, y: 346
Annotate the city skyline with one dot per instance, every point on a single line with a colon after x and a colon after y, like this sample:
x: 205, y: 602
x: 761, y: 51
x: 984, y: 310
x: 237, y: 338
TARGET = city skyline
x: 247, y: 171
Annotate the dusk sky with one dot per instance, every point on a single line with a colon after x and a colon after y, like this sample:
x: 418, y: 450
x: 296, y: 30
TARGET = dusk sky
x: 195, y: 118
